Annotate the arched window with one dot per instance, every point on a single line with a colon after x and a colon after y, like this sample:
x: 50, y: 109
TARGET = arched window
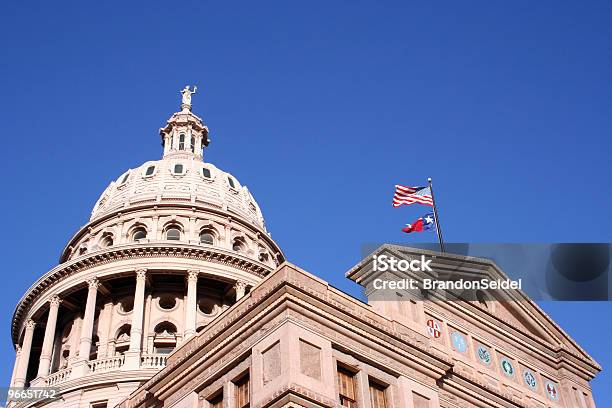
x: 165, y: 327
x: 173, y: 233
x: 192, y: 144
x: 165, y: 338
x: 125, y: 178
x: 206, y: 237
x: 206, y: 173
x: 106, y: 241
x: 182, y: 141
x: 239, y: 245
x: 138, y: 234
x: 122, y: 339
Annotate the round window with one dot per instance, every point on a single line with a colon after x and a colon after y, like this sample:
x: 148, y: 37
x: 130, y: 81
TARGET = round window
x: 126, y: 305
x: 167, y: 302
x: 106, y: 241
x: 206, y: 306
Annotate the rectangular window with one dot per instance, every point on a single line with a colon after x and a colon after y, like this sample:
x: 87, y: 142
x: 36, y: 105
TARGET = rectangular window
x: 377, y: 395
x: 242, y: 392
x: 217, y: 400
x: 346, y: 388
x: 420, y: 401
x: 99, y: 404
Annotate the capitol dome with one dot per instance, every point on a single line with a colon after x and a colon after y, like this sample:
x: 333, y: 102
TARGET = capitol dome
x: 169, y: 247
x: 179, y: 180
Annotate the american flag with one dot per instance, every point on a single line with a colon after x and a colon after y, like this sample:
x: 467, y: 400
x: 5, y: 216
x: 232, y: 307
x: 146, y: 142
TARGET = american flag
x: 410, y: 195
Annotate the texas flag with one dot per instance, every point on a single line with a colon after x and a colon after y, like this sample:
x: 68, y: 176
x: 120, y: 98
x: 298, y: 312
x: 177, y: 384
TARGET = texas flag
x: 424, y: 223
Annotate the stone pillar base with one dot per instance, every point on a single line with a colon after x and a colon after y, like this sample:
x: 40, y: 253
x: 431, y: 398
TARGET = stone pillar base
x: 79, y: 369
x: 132, y: 360
x: 38, y: 382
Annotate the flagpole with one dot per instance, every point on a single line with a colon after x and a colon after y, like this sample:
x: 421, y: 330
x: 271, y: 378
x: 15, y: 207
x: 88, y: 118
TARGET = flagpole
x: 438, y: 230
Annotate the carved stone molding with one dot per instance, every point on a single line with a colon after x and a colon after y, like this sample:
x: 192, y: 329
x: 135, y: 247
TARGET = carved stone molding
x: 55, y: 301
x: 240, y: 286
x: 93, y: 283
x: 30, y: 324
x: 141, y: 274
x: 192, y: 275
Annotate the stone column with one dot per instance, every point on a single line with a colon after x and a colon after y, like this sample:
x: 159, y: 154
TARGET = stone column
x: 228, y: 233
x: 166, y: 142
x: 16, y: 364
x: 132, y: 356
x: 104, y: 323
x: 24, y: 358
x: 191, y: 303
x: 80, y: 367
x: 240, y: 288
x: 47, y: 347
x: 190, y: 232
x: 199, y: 143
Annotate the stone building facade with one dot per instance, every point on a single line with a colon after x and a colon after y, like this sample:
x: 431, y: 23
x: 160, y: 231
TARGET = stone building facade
x: 175, y: 295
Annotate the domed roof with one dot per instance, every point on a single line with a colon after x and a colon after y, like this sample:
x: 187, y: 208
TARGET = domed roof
x: 180, y: 180
x: 181, y: 177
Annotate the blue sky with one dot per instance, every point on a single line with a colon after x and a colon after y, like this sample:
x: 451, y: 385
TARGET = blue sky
x: 320, y: 108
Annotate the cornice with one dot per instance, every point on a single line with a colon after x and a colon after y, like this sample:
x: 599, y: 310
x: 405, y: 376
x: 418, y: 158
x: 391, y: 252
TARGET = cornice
x: 127, y: 252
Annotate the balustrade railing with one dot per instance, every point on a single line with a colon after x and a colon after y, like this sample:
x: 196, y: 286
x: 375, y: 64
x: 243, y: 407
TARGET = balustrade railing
x: 106, y: 364
x: 153, y: 360
x: 58, y: 377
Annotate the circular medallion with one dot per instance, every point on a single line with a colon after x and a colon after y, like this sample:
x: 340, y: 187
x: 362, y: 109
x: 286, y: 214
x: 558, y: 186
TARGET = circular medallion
x: 459, y: 342
x: 433, y: 328
x: 551, y: 391
x: 483, y: 355
x: 530, y: 379
x: 507, y: 367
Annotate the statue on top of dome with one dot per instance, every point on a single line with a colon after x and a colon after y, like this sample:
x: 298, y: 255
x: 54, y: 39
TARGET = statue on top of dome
x: 186, y: 102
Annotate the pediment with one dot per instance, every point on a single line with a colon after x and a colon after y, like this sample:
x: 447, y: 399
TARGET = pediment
x: 509, y: 312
